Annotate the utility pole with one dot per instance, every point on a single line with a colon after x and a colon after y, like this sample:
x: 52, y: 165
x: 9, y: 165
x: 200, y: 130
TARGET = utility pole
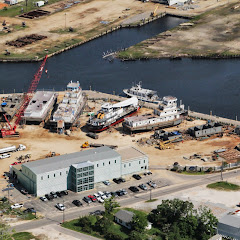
x: 65, y: 20
x: 63, y: 213
x: 222, y: 171
x: 150, y: 194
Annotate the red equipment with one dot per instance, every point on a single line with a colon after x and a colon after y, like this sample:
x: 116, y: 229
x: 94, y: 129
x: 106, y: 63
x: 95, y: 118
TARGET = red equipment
x: 11, y: 132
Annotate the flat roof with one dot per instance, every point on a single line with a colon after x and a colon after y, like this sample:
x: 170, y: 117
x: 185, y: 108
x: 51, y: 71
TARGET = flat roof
x: 129, y: 153
x: 66, y: 160
x: 231, y: 219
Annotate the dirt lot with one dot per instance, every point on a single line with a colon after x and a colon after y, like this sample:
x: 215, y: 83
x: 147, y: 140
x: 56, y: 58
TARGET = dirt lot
x: 40, y: 142
x: 218, y: 30
x: 85, y: 19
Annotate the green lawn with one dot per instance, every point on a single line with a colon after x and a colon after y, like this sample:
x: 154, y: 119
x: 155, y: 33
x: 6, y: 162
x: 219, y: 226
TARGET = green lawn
x: 224, y: 186
x: 24, y: 236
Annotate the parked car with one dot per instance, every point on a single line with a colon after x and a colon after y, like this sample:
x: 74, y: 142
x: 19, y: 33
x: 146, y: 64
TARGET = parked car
x: 77, y: 203
x: 143, y: 186
x: 119, y: 193
x: 5, y: 155
x: 65, y: 192
x: 87, y: 200
x: 15, y: 163
x: 107, y: 194
x: 123, y: 191
x: 16, y: 205
x: 97, y: 213
x: 54, y: 194
x: 29, y: 210
x: 114, y: 194
x: 44, y: 199
x: 134, y: 189
x: 106, y: 182
x: 60, y: 206
x: 119, y: 180
x: 24, y: 191
x: 152, y: 184
x: 147, y: 173
x: 136, y: 176
x: 59, y: 194
x: 92, y: 198
x: 49, y: 196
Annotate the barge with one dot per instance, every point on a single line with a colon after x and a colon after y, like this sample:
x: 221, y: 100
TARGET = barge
x: 112, y: 114
x: 166, y: 115
x: 40, y: 106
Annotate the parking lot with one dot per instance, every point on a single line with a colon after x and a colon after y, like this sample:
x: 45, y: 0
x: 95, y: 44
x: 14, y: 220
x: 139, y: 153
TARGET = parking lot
x: 48, y: 207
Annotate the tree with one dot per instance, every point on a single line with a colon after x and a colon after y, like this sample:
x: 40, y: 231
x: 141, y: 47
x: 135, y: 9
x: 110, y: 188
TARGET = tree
x: 103, y: 224
x: 112, y: 234
x: 5, y: 231
x: 87, y: 223
x: 110, y: 204
x: 134, y: 235
x: 139, y: 222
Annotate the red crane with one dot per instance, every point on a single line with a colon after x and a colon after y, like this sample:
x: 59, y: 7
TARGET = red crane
x: 11, y: 131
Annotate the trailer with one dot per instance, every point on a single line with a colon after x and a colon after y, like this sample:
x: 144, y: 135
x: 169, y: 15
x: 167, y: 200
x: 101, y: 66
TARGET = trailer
x: 8, y: 149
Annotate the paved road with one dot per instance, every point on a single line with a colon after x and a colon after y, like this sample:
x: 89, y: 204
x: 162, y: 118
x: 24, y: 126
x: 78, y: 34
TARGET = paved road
x: 75, y: 213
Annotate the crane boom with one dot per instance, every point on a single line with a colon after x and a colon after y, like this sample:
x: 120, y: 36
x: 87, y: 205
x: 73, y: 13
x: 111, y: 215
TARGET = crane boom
x: 27, y: 97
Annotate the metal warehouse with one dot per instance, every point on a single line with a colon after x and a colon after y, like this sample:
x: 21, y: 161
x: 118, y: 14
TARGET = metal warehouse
x: 80, y: 170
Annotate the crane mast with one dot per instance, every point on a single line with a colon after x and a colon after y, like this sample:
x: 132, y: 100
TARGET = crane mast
x: 26, y: 99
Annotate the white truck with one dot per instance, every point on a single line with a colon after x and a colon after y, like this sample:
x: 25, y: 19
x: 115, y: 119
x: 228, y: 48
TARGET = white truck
x: 13, y: 148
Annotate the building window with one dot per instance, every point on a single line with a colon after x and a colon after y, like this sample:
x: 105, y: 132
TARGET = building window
x: 97, y: 165
x: 91, y: 179
x: 54, y: 175
x: 79, y: 175
x: 85, y: 174
x: 85, y: 180
x: 79, y: 181
x: 42, y: 178
x: 47, y: 176
x: 103, y: 164
x: 85, y: 168
x: 144, y: 161
x: 115, y: 161
x: 129, y: 164
x: 109, y: 162
x: 139, y: 162
x: 124, y: 165
x: 60, y: 173
x: 91, y: 186
x: 91, y: 167
x: 66, y: 172
x: 91, y: 172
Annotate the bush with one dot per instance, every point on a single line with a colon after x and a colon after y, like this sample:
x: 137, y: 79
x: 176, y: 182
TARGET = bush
x: 111, y: 234
x: 5, y: 8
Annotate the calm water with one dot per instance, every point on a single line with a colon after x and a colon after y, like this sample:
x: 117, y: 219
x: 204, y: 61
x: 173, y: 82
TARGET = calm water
x: 203, y: 85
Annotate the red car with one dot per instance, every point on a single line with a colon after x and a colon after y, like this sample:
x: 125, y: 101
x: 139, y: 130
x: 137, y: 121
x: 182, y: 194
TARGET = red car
x: 15, y: 163
x: 92, y: 198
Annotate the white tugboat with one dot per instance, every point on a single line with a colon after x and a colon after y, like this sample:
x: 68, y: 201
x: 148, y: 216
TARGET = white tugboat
x: 166, y: 115
x: 71, y: 106
x: 112, y: 114
x: 142, y: 94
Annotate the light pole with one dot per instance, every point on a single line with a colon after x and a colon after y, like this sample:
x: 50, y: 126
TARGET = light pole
x: 150, y: 194
x: 63, y: 213
x: 222, y: 171
x: 65, y: 20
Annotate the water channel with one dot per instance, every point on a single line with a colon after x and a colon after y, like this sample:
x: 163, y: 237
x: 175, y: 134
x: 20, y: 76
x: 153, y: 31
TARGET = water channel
x: 203, y: 85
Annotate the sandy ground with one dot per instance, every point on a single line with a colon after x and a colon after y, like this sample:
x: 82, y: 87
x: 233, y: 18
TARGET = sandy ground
x: 84, y: 17
x: 218, y: 31
x: 220, y: 202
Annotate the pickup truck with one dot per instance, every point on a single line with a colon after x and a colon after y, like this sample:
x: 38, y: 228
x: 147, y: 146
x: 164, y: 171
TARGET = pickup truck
x: 16, y: 205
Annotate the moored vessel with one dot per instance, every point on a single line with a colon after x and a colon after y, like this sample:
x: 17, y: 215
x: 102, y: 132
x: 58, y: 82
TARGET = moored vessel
x: 142, y: 94
x: 70, y: 107
x: 167, y: 114
x: 112, y: 114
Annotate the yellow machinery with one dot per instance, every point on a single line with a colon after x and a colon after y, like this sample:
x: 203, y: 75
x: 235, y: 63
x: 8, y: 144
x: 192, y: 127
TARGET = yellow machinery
x: 85, y: 145
x: 153, y: 14
x: 165, y: 144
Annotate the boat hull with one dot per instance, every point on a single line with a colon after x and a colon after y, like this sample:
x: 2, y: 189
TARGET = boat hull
x: 105, y: 127
x: 154, y: 126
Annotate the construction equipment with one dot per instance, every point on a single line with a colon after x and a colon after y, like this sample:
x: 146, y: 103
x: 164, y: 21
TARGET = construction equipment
x: 85, y: 145
x: 154, y: 14
x: 165, y: 144
x: 52, y: 154
x: 11, y: 131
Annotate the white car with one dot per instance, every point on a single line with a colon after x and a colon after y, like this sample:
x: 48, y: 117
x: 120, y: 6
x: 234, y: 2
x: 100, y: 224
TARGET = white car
x: 16, y: 205
x: 96, y: 195
x: 5, y: 155
x: 106, y: 182
x: 101, y: 200
x: 60, y: 206
x: 100, y: 193
x: 44, y: 199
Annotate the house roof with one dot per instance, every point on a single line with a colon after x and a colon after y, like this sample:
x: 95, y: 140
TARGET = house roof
x: 124, y: 215
x: 66, y: 160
